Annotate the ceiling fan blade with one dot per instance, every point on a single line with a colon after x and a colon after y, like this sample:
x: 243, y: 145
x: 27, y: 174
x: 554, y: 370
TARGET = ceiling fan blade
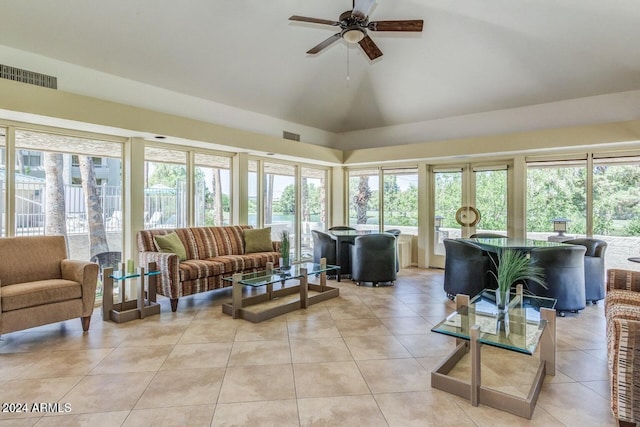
x: 324, y: 44
x: 408, y: 25
x: 313, y: 20
x: 370, y: 48
x: 361, y: 8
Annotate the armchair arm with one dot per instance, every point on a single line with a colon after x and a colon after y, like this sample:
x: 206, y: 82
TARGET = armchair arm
x: 623, y: 279
x: 85, y: 273
x: 625, y: 368
x: 168, y: 265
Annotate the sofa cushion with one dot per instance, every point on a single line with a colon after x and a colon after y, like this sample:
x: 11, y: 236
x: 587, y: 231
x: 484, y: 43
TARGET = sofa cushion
x: 194, y: 269
x: 27, y: 259
x: 31, y: 294
x: 171, y: 243
x: 257, y: 240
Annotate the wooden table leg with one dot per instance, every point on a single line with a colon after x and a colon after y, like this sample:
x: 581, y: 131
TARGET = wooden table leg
x: 107, y: 293
x: 236, y: 295
x: 304, y: 288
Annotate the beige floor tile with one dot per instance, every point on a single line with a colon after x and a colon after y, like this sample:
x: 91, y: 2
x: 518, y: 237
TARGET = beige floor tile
x: 421, y: 409
x: 295, y: 369
x: 575, y: 404
x: 98, y: 419
x: 133, y: 359
x: 65, y: 363
x: 18, y: 422
x: 203, y: 332
x: 192, y: 416
x: 582, y: 366
x: 340, y: 411
x: 325, y: 328
x: 395, y: 375
x: 106, y: 393
x: 428, y: 345
x: 207, y: 355
x: 272, y: 330
x: 376, y: 347
x: 254, y: 383
x: 319, y: 350
x: 158, y: 334
x: 328, y: 379
x: 245, y: 353
x: 30, y: 391
x: 182, y: 387
x: 279, y: 413
x: 411, y: 325
x: 361, y: 327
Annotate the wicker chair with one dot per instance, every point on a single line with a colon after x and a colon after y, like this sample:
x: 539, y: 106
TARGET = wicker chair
x: 622, y: 311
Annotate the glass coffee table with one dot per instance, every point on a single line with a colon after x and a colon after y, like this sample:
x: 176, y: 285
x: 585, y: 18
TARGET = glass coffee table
x: 274, y: 302
x: 529, y: 321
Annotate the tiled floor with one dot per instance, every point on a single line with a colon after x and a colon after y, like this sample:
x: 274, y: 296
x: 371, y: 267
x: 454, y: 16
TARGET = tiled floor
x: 362, y: 359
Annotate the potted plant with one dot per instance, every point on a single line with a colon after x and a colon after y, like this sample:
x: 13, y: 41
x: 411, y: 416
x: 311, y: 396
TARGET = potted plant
x: 285, y: 260
x: 511, y: 267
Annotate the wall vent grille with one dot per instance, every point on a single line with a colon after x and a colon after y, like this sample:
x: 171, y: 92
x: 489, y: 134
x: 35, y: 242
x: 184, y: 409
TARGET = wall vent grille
x: 25, y: 76
x: 290, y: 135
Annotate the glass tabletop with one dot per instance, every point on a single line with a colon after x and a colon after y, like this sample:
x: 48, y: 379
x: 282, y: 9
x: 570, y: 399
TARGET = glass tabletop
x: 262, y: 278
x: 122, y: 275
x: 493, y: 244
x: 518, y: 330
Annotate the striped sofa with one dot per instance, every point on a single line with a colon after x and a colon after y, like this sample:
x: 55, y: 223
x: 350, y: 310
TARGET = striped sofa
x: 622, y: 311
x: 212, y: 253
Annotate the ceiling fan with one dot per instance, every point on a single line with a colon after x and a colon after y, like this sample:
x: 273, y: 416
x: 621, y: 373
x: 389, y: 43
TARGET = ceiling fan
x: 354, y: 25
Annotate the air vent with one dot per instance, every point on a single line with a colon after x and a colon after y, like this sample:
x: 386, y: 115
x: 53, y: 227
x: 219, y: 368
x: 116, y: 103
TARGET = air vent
x: 290, y: 135
x: 24, y: 76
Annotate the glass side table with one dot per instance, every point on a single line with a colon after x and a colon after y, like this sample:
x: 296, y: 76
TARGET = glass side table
x: 528, y: 322
x: 144, y: 305
x: 265, y: 306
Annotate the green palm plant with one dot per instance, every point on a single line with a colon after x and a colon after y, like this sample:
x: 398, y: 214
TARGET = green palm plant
x: 511, y: 267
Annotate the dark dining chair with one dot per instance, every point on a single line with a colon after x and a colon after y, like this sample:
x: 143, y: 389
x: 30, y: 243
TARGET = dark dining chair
x: 323, y: 247
x: 487, y: 236
x: 396, y: 233
x: 466, y: 268
x: 373, y: 259
x: 593, y: 267
x: 563, y: 268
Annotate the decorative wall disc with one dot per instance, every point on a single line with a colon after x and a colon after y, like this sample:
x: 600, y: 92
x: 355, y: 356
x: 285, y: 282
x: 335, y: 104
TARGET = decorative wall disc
x: 467, y: 216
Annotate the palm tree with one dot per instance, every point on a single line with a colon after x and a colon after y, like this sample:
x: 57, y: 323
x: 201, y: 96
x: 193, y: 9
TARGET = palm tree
x: 361, y: 199
x: 55, y: 221
x: 97, y: 233
x: 217, y: 197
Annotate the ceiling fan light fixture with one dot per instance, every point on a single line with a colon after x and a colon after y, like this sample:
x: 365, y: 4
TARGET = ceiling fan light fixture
x: 353, y: 35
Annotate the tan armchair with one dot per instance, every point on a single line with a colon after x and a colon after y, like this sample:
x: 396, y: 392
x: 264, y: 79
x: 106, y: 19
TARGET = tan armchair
x: 622, y: 310
x: 39, y: 285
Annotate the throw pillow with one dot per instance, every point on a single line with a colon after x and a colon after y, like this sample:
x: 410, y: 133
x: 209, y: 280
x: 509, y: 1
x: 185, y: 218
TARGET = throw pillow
x: 171, y: 243
x: 257, y: 240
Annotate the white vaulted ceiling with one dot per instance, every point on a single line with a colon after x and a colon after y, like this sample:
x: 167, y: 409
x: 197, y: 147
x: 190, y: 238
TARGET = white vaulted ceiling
x: 473, y: 57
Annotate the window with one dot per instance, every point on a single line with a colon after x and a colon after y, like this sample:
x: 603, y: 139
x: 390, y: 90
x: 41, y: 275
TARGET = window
x: 279, y: 200
x: 400, y: 200
x: 556, y: 189
x: 616, y: 209
x: 59, y: 199
x: 363, y: 199
x: 212, y: 190
x: 165, y: 201
x: 491, y: 199
x: 313, y: 207
x: 253, y: 193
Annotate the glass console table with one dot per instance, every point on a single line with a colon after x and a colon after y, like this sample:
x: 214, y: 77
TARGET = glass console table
x: 529, y: 321
x: 144, y: 305
x: 275, y: 302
